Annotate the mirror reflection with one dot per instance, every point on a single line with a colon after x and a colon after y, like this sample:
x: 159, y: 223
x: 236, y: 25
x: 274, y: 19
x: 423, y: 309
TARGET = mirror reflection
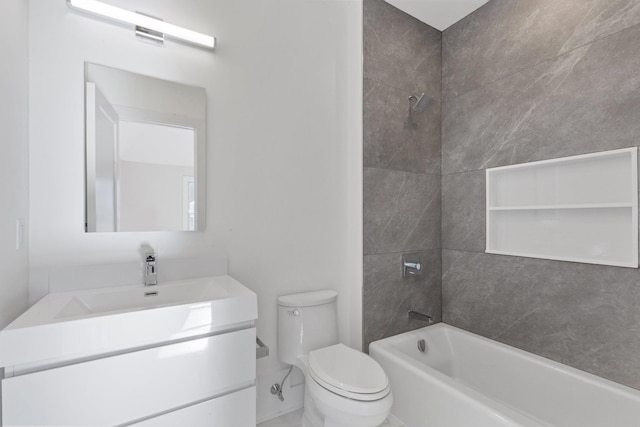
x: 145, y: 141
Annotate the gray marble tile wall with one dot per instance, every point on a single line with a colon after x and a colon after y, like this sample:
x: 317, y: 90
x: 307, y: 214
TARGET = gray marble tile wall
x: 402, y: 57
x: 530, y: 80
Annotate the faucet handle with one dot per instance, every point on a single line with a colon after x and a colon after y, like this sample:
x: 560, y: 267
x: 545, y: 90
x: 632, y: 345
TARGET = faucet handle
x: 150, y: 275
x: 414, y: 265
x: 411, y: 265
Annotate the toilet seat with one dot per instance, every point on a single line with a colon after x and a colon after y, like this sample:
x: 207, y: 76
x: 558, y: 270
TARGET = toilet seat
x: 348, y: 373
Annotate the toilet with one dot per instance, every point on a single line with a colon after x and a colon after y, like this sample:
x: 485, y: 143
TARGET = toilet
x: 343, y: 387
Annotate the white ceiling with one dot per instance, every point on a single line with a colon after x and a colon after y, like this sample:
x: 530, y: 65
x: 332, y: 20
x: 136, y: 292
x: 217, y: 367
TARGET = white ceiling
x: 439, y: 14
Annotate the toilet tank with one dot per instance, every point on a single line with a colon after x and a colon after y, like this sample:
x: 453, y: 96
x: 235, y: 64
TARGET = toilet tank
x: 306, y: 321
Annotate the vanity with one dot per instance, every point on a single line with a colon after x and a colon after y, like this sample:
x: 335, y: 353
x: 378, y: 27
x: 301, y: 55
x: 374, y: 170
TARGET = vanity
x: 117, y: 357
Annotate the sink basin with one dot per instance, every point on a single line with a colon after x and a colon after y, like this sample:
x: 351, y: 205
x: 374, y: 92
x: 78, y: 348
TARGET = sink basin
x: 75, y: 325
x: 141, y: 298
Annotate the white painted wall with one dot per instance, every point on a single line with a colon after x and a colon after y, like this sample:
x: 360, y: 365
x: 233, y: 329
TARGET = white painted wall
x: 14, y: 152
x: 62, y: 40
x: 296, y: 150
x: 284, y: 124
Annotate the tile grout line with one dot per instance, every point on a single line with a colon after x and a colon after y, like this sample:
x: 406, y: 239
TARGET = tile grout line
x: 404, y: 251
x: 400, y: 170
x: 410, y: 91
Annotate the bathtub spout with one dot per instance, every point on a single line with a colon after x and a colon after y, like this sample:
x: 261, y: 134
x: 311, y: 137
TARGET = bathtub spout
x: 411, y: 314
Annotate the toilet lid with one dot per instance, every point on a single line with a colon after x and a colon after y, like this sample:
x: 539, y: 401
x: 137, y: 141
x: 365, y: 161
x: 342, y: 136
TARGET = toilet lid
x: 343, y: 369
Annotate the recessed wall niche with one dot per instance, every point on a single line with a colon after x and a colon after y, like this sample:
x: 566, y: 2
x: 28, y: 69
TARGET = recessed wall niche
x: 580, y: 208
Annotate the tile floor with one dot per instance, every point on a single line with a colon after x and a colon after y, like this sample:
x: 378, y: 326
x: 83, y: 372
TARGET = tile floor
x: 294, y: 419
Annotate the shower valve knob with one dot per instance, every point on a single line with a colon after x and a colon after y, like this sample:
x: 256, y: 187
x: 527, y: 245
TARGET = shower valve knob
x: 411, y: 266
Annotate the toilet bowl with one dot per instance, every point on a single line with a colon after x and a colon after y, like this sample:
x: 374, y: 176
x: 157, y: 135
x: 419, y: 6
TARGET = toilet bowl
x: 343, y: 387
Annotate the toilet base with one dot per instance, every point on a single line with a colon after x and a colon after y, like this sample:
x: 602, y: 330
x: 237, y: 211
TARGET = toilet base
x: 313, y: 415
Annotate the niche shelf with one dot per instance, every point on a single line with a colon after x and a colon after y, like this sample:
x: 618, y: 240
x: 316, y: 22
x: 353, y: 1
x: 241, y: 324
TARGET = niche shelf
x: 580, y: 208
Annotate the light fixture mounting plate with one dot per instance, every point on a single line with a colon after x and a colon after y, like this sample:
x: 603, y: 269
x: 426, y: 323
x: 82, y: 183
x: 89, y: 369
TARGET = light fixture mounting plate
x: 147, y: 34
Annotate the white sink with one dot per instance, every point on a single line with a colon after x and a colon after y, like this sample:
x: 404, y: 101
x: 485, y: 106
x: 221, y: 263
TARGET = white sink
x: 76, y: 325
x: 132, y: 298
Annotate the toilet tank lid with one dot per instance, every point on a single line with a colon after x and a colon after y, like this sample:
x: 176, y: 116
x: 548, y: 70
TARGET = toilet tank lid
x: 307, y: 299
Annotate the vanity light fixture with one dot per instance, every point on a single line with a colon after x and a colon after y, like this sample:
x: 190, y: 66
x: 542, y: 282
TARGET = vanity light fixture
x: 139, y: 20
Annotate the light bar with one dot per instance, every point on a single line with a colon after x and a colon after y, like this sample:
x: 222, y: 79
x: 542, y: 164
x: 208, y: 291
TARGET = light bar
x: 137, y: 19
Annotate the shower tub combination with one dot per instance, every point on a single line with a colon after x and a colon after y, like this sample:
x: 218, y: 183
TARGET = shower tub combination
x: 464, y: 380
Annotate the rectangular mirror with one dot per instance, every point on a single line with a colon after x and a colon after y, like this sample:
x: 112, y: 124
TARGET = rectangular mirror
x: 145, y: 152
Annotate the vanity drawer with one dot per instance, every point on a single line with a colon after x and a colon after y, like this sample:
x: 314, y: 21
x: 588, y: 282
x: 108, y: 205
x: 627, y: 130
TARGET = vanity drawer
x: 237, y: 410
x: 123, y: 388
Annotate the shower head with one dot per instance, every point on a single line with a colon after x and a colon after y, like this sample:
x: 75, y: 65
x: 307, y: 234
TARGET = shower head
x: 422, y: 102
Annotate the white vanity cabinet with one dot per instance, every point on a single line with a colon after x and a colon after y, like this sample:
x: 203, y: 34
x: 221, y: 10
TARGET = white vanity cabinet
x: 236, y: 409
x: 203, y: 375
x: 132, y: 386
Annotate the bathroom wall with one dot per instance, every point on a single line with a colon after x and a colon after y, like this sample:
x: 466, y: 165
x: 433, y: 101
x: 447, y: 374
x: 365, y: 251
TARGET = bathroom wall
x: 284, y: 150
x: 402, y: 57
x: 61, y: 41
x: 524, y: 81
x: 295, y: 150
x: 14, y: 167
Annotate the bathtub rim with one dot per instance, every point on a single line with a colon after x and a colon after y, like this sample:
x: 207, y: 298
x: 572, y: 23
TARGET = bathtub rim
x: 470, y: 396
x: 386, y: 348
x: 556, y: 366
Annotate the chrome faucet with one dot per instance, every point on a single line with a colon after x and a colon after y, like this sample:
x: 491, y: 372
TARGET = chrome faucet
x: 410, y: 268
x: 150, y: 272
x: 411, y: 265
x: 419, y: 316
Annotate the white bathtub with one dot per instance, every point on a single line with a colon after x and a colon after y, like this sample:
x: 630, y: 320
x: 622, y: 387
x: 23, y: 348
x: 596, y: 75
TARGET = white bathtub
x: 464, y: 380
